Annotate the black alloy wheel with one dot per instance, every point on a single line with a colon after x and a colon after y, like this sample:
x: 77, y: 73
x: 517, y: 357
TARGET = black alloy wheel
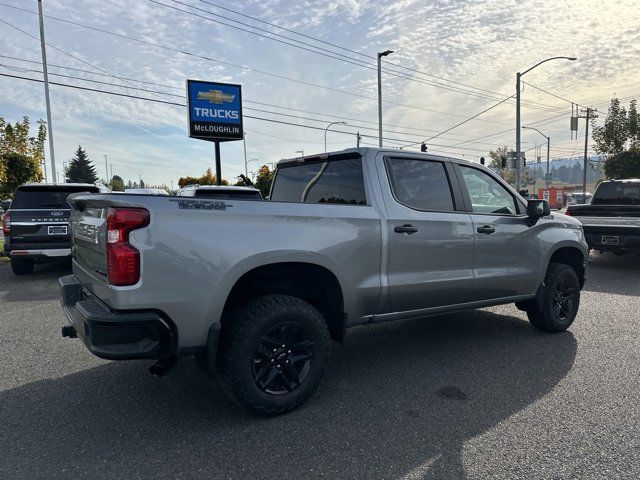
x: 564, y: 299
x: 282, y: 359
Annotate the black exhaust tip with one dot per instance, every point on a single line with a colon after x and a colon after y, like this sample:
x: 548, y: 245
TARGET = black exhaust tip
x: 162, y: 366
x: 69, y: 331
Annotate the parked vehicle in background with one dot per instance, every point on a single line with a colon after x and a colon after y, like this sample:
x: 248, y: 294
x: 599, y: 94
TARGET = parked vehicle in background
x: 223, y: 191
x: 146, y: 191
x: 578, y: 198
x: 257, y: 289
x: 611, y: 222
x: 36, y: 226
x: 220, y: 191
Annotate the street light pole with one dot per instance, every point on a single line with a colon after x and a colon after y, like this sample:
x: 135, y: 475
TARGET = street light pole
x: 325, y: 133
x: 46, y: 91
x: 244, y: 142
x: 548, y: 149
x: 380, y: 55
x: 518, y: 77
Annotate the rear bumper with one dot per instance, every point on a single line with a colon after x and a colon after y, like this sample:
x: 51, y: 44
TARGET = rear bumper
x: 619, y: 239
x: 40, y: 252
x: 114, y: 335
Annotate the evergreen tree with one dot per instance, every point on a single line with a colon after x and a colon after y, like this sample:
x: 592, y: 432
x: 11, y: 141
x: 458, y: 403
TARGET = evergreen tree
x: 117, y: 184
x: 142, y: 184
x: 80, y: 169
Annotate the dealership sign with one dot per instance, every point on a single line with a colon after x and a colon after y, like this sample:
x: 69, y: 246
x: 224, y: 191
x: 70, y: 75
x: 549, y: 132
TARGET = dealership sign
x: 214, y: 110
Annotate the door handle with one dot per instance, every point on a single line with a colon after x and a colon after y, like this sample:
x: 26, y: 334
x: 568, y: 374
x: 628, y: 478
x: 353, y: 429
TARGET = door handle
x: 486, y: 229
x: 409, y: 229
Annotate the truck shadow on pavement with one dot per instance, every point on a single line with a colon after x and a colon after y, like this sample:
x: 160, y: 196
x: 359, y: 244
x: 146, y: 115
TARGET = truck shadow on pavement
x: 399, y: 400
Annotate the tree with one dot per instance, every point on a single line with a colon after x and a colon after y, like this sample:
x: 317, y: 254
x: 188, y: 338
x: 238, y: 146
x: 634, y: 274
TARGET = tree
x: 207, y: 178
x: 263, y: 180
x: 142, y: 184
x: 117, y: 184
x: 611, y: 137
x: 80, y: 169
x: 623, y: 165
x: 20, y: 155
x: 19, y: 169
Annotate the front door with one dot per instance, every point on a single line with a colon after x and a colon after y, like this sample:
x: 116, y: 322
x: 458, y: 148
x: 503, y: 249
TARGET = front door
x: 431, y: 242
x: 507, y: 253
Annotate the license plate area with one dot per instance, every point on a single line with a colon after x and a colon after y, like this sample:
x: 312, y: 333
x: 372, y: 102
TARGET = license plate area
x: 57, y: 230
x: 610, y: 240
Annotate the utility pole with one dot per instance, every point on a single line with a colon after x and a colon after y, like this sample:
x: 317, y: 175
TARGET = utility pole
x: 358, y: 137
x: 380, y: 55
x: 106, y: 169
x: 111, y: 168
x: 46, y: 91
x: 586, y: 145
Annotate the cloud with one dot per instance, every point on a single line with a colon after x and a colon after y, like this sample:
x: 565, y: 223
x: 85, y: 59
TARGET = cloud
x: 479, y: 43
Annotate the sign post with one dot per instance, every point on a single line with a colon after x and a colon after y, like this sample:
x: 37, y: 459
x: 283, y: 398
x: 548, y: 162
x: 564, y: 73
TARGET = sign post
x: 215, y: 114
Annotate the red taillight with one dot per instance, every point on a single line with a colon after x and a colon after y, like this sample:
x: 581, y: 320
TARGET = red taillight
x: 568, y: 212
x: 123, y: 259
x: 6, y: 224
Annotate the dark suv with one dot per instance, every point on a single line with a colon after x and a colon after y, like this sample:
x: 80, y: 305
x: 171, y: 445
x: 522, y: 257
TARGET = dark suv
x: 36, y: 226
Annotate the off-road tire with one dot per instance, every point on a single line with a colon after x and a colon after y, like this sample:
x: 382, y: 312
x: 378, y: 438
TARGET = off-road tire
x: 546, y: 315
x: 242, y: 334
x: 22, y: 266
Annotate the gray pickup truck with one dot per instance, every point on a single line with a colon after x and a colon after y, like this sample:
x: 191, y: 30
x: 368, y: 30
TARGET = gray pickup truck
x: 256, y: 290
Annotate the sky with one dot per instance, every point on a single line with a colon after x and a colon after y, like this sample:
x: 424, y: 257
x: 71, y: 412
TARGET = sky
x: 452, y: 59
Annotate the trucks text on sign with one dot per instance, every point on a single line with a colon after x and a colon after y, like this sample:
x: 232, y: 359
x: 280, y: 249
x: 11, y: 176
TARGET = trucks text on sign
x: 214, y: 110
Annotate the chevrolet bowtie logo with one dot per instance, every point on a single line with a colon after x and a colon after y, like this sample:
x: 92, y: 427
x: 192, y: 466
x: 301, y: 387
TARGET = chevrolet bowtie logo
x: 216, y: 96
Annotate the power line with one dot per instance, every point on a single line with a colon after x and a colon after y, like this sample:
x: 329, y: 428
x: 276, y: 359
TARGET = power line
x: 330, y: 115
x: 371, y: 57
x: 166, y: 102
x: 463, y: 122
x: 391, y: 72
x: 343, y: 58
x: 63, y: 51
x: 550, y: 93
x: 27, y: 70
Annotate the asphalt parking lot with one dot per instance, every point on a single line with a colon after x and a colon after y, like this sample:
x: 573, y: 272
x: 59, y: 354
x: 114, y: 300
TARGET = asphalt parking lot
x: 473, y: 395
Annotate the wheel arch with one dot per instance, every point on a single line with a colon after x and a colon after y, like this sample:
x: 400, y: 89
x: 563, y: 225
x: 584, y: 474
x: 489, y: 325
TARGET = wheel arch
x: 574, y: 257
x: 302, y: 269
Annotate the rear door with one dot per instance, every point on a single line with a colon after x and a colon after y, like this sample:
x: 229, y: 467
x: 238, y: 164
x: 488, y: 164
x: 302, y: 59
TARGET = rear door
x: 507, y: 250
x: 430, y: 237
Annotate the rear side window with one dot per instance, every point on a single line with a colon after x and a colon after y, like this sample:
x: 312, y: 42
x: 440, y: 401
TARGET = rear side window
x: 335, y: 182
x: 46, y: 197
x: 420, y: 184
x: 617, y: 193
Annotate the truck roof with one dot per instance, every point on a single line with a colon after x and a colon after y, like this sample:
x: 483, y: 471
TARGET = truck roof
x: 361, y: 151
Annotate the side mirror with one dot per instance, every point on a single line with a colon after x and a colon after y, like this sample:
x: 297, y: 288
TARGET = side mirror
x: 538, y: 208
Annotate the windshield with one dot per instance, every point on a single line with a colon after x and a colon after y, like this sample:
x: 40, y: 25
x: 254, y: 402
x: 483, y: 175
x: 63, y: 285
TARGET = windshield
x: 617, y: 193
x: 46, y: 197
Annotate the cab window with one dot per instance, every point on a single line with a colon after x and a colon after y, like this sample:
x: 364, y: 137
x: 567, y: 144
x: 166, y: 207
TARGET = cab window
x: 486, y: 193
